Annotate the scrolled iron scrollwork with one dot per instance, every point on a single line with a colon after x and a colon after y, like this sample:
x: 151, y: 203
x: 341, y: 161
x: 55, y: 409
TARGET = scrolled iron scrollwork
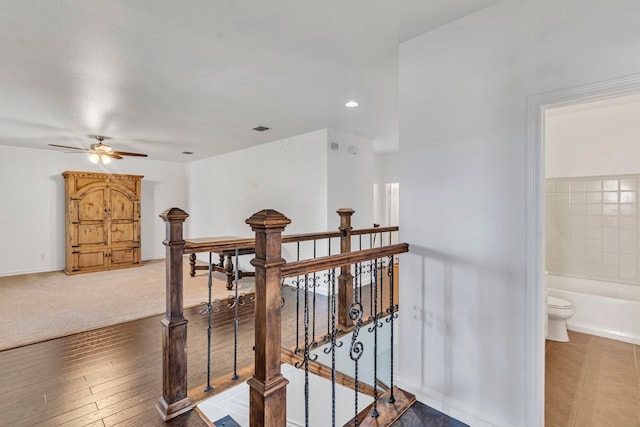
x: 332, y: 345
x: 315, y: 281
x: 209, y: 307
x: 376, y: 323
x: 205, y: 308
x: 237, y: 300
x: 357, y: 348
x: 306, y: 357
x: 392, y: 313
x: 296, y: 285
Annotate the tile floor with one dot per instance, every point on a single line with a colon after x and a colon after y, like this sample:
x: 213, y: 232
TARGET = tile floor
x: 592, y: 381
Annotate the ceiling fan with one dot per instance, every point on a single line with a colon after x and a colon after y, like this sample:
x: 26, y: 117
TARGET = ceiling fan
x: 101, y: 153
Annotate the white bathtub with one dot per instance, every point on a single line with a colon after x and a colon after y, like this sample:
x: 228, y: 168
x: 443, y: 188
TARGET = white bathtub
x: 606, y: 309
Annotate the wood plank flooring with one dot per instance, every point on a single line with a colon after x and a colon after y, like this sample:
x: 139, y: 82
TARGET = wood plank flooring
x: 112, y: 376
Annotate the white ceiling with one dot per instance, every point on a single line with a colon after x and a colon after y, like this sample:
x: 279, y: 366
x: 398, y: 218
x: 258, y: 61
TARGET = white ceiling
x: 166, y: 76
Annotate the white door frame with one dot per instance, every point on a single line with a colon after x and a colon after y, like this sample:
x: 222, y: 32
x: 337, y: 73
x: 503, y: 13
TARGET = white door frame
x: 536, y: 106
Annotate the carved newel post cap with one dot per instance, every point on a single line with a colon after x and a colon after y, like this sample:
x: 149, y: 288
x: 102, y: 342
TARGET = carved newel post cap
x: 268, y: 218
x: 174, y: 214
x: 345, y: 211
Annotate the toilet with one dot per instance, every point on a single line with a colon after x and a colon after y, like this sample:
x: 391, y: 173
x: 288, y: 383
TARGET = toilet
x: 558, y: 311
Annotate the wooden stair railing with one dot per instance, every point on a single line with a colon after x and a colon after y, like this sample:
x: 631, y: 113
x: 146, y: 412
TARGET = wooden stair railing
x: 261, y: 414
x: 267, y: 385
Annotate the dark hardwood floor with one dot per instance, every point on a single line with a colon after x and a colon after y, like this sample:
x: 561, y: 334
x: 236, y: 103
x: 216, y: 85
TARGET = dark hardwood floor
x: 112, y: 376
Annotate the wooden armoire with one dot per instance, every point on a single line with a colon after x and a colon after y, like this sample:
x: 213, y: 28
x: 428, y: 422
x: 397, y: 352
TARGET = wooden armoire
x: 102, y: 221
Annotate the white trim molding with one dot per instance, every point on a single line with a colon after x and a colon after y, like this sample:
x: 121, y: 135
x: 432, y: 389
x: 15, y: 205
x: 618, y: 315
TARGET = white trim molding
x: 536, y: 106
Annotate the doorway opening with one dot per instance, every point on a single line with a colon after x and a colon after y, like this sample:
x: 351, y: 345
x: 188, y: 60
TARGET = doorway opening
x: 537, y: 106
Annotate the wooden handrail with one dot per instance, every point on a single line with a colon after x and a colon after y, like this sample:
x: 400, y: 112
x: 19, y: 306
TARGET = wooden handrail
x: 292, y: 238
x: 299, y: 268
x: 204, y: 245
x: 374, y: 230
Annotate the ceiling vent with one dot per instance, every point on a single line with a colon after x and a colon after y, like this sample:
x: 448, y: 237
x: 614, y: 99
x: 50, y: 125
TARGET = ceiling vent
x: 261, y: 128
x: 187, y: 152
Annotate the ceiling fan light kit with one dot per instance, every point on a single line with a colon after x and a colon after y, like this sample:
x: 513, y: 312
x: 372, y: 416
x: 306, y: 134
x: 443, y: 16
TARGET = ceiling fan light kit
x: 97, y: 158
x: 101, y: 153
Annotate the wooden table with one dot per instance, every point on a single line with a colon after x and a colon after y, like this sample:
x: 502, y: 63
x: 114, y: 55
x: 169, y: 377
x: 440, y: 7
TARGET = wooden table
x: 226, y: 248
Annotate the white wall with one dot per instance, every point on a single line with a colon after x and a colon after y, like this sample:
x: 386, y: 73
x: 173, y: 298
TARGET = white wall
x: 300, y: 177
x: 32, y: 214
x: 287, y: 175
x: 601, y: 140
x: 386, y: 170
x: 350, y: 178
x: 463, y: 97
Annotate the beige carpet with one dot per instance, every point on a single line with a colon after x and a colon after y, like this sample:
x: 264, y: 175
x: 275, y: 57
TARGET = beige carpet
x: 41, y: 306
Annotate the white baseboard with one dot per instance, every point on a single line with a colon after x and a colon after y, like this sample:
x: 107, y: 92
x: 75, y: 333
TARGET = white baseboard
x: 619, y: 336
x: 455, y: 409
x: 39, y: 270
x: 57, y: 268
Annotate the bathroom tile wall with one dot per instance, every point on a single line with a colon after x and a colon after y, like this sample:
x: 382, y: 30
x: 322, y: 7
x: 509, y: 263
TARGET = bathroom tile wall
x: 592, y: 227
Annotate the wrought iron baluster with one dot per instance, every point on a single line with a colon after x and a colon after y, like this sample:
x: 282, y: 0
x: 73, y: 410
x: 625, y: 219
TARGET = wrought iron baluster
x: 356, y: 349
x: 297, y: 350
x: 307, y: 356
x: 356, y: 271
x: 392, y: 315
x: 374, y: 329
x: 334, y: 344
x: 327, y: 336
x: 371, y: 284
x: 235, y: 323
x: 314, y: 343
x: 306, y: 351
x: 360, y: 237
x: 209, y: 283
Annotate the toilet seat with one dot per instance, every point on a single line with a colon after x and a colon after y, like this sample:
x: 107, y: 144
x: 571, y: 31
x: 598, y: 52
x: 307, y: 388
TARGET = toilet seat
x: 559, y: 303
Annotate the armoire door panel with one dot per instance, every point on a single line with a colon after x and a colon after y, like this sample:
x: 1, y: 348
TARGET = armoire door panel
x: 91, y: 206
x: 123, y: 256
x: 122, y: 206
x: 90, y: 234
x: 90, y: 260
x: 123, y: 232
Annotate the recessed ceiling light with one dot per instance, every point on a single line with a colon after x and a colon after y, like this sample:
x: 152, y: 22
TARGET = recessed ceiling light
x: 261, y: 128
x: 351, y: 104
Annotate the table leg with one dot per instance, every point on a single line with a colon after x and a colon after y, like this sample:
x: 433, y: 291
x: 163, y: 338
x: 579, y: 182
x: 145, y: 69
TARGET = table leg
x: 192, y: 263
x: 228, y: 266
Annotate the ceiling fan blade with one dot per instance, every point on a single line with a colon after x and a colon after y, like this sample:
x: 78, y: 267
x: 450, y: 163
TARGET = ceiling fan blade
x: 124, y: 153
x: 112, y: 155
x: 66, y: 146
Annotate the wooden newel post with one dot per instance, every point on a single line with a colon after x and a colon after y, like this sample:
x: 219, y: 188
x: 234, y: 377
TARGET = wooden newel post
x: 268, y: 388
x: 174, y: 400
x: 345, y: 280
